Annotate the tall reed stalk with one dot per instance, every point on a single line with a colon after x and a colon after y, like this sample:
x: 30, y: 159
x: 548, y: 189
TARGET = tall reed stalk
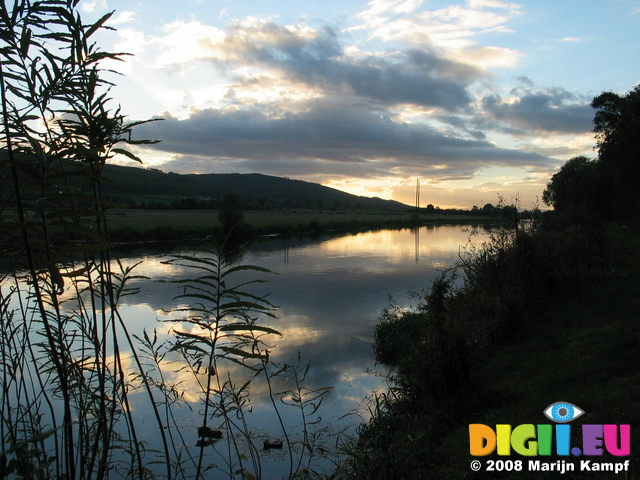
x: 68, y: 361
x: 64, y: 393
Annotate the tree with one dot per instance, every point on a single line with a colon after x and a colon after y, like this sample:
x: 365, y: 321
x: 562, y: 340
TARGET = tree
x: 231, y: 215
x: 235, y: 230
x: 488, y: 209
x: 587, y: 190
x: 577, y: 192
x: 617, y: 125
x: 617, y: 128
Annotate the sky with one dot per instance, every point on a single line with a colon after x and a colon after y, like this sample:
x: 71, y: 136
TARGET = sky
x: 477, y: 99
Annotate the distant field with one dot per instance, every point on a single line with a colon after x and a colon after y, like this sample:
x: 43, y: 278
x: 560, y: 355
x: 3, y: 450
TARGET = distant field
x: 270, y: 221
x: 144, y: 220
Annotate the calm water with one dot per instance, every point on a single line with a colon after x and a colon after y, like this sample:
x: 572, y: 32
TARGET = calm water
x: 330, y: 293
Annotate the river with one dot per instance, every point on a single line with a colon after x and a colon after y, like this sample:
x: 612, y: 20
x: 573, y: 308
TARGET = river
x: 330, y: 292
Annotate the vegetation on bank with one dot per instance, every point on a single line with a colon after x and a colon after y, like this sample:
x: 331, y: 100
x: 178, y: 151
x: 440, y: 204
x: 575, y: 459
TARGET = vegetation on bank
x: 545, y: 313
x: 541, y: 316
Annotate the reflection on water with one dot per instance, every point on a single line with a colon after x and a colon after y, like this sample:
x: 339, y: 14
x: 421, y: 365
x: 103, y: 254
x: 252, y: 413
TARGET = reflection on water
x: 330, y: 293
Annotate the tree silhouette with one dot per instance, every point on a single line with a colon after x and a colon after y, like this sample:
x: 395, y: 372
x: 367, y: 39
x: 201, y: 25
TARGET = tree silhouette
x: 617, y: 128
x: 604, y: 189
x: 578, y: 191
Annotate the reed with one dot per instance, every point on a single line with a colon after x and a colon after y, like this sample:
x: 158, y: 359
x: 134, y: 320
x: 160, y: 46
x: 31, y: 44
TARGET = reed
x: 69, y: 365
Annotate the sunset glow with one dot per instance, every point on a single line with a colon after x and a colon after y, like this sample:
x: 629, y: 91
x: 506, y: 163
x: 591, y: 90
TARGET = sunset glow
x: 476, y: 98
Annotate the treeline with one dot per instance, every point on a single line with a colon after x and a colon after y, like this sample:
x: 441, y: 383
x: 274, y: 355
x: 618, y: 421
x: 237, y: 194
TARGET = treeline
x: 265, y: 204
x: 501, y: 210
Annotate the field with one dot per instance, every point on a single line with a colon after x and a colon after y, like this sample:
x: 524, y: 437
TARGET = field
x: 274, y: 221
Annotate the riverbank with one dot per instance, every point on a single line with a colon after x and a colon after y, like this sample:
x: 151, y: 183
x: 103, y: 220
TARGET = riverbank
x: 127, y: 225
x: 551, y: 317
x: 580, y: 348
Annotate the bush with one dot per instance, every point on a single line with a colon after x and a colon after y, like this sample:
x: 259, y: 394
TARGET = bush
x: 391, y: 334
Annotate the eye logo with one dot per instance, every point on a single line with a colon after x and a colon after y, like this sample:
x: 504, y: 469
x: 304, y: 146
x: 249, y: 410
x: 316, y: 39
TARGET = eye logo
x: 562, y: 412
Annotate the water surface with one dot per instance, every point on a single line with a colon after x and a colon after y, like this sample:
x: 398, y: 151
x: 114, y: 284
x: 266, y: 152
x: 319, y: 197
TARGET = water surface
x: 330, y: 293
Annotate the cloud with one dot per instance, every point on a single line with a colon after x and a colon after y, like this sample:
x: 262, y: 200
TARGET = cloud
x: 318, y: 59
x: 123, y: 17
x: 401, y: 94
x: 552, y: 110
x: 328, y: 138
x: 451, y: 29
x: 183, y: 44
x: 93, y: 5
x: 289, y: 63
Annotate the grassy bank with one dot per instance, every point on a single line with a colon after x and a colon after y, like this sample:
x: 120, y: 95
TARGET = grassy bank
x: 581, y: 348
x: 543, y: 318
x: 131, y: 225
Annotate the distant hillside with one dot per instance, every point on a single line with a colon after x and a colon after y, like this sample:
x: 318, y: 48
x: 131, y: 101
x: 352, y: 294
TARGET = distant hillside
x: 138, y: 185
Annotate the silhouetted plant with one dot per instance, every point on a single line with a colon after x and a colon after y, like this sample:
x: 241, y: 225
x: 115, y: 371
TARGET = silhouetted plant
x: 220, y: 328
x: 308, y: 402
x: 64, y: 380
x: 64, y: 384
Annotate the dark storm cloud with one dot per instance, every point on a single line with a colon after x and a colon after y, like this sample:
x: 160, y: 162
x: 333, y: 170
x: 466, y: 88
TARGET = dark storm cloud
x: 555, y: 111
x: 327, y: 137
x: 417, y: 77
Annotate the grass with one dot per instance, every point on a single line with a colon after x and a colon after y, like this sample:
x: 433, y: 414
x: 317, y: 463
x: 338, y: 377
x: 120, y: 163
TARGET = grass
x: 147, y: 220
x: 150, y: 223
x: 583, y: 350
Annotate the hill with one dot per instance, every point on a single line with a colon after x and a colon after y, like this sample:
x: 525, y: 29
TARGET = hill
x: 144, y: 187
